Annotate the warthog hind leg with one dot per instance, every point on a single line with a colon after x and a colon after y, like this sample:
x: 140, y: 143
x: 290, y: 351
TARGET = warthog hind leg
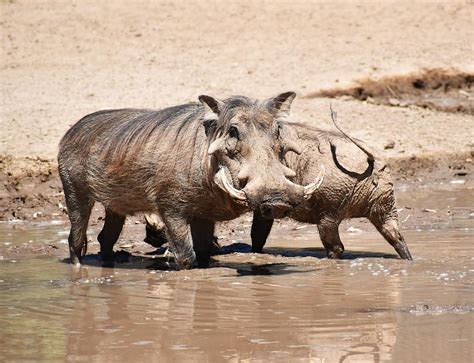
x: 261, y: 228
x: 329, y: 234
x: 390, y: 229
x: 79, y: 212
x: 109, y: 235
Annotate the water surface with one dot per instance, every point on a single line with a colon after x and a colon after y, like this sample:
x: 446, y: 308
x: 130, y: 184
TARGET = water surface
x: 288, y: 304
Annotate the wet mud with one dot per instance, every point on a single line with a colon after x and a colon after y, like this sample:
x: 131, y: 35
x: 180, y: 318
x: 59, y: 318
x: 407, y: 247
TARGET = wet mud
x: 437, y: 89
x: 288, y: 303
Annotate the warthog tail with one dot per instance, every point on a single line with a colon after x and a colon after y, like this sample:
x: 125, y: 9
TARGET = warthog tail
x: 370, y: 156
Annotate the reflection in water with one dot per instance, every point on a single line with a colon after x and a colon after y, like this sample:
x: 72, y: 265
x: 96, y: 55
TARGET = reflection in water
x: 267, y: 307
x: 352, y: 309
x: 215, y: 317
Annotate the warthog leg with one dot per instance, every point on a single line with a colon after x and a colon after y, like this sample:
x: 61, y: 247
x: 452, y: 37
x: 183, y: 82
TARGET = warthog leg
x: 179, y: 240
x: 79, y: 211
x: 261, y: 228
x: 329, y: 234
x: 202, y: 232
x: 390, y: 229
x: 109, y: 235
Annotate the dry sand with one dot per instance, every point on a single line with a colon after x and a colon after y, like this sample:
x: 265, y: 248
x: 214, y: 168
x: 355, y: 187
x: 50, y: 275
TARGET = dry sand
x: 62, y: 60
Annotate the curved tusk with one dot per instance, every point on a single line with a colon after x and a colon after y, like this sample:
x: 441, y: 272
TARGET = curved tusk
x: 223, y: 182
x: 311, y: 188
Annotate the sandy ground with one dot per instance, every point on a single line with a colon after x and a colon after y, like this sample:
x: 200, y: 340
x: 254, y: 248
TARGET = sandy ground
x: 60, y: 61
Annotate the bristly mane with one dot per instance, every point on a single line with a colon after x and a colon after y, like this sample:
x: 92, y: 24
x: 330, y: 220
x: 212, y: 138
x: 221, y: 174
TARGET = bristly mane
x: 124, y: 132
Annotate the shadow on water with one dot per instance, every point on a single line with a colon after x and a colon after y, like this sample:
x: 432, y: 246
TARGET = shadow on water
x: 321, y: 253
x: 157, y: 261
x: 163, y: 264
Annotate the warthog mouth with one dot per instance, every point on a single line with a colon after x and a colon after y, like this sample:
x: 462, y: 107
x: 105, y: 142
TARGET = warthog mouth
x: 227, y: 186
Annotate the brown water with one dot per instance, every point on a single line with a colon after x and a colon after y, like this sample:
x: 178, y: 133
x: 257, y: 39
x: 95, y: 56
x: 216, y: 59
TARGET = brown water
x: 296, y: 306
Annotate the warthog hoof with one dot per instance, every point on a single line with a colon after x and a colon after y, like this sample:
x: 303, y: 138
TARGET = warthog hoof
x: 335, y: 254
x: 185, y: 263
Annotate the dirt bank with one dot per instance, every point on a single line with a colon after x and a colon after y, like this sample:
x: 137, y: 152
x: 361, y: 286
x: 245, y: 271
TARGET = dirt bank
x: 436, y: 89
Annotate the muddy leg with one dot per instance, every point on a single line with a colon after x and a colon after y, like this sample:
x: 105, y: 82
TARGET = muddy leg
x: 179, y: 239
x: 390, y: 229
x: 329, y: 234
x: 261, y: 228
x: 108, y: 236
x: 202, y: 232
x: 79, y: 214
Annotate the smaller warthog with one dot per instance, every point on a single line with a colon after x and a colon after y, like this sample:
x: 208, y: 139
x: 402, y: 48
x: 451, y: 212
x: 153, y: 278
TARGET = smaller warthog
x: 194, y: 164
x: 344, y: 193
x: 356, y: 184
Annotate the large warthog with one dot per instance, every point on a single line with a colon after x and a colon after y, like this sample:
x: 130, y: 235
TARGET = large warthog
x: 193, y: 164
x: 353, y: 186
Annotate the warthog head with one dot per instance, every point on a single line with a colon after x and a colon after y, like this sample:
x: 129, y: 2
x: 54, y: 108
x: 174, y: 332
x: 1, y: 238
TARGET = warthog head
x: 246, y: 149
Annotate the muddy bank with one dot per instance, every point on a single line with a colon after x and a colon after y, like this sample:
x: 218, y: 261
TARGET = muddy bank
x: 436, y: 89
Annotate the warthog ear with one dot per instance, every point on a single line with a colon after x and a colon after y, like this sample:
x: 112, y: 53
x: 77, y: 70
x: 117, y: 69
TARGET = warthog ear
x: 212, y: 107
x: 212, y: 110
x: 280, y: 105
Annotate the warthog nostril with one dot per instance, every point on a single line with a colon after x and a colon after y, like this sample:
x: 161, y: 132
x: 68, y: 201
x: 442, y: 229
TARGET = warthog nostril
x: 274, y: 197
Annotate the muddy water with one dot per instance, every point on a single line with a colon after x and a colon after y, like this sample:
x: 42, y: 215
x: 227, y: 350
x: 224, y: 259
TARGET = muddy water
x: 288, y: 304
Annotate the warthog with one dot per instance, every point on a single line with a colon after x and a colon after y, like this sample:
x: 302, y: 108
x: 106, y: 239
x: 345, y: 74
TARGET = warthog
x: 343, y: 193
x: 194, y: 164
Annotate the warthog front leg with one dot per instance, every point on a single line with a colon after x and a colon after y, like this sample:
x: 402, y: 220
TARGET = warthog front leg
x: 329, y: 234
x: 261, y: 228
x: 179, y: 240
x: 202, y: 231
x: 109, y: 235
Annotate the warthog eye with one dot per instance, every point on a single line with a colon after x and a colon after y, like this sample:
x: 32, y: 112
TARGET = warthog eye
x: 278, y: 130
x: 234, y: 132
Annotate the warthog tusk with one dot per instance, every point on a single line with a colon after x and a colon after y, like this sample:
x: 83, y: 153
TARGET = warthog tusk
x: 223, y: 182
x: 310, y: 188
